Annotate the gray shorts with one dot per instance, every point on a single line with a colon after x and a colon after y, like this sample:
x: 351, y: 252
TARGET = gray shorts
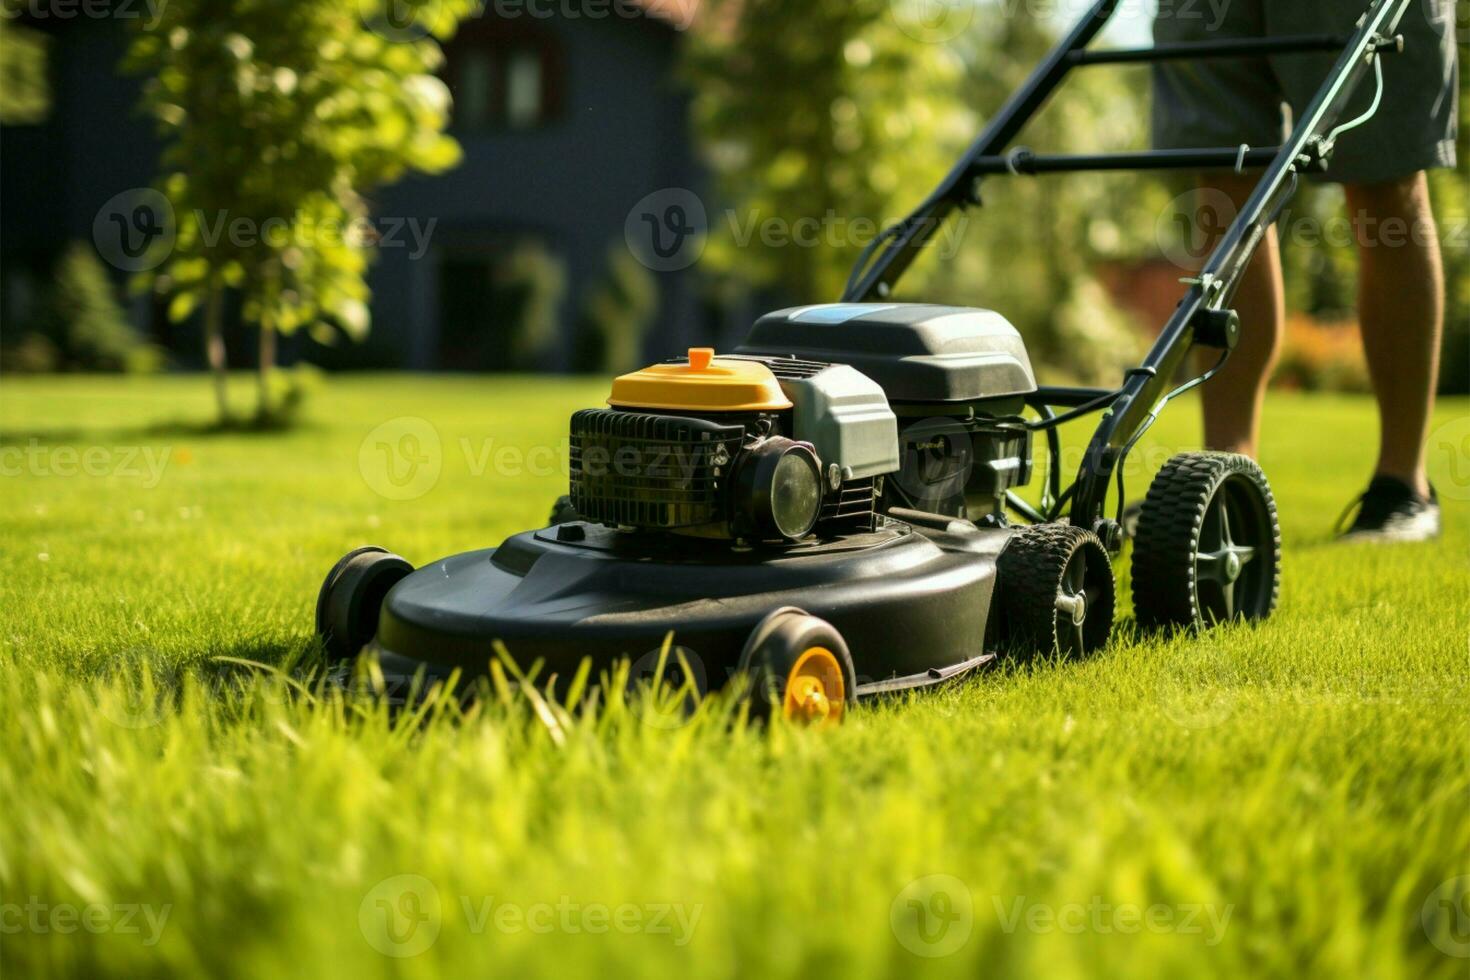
x: 1217, y: 102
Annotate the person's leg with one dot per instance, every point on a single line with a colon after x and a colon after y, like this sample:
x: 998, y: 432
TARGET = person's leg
x: 1401, y: 312
x: 1232, y: 399
x: 1226, y: 102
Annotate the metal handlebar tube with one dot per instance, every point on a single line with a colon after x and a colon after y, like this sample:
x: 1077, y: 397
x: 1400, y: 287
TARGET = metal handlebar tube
x: 1213, y: 290
x: 1044, y: 400
x: 1018, y: 504
x: 1022, y: 161
x: 1234, y: 47
x: 1052, y: 396
x: 902, y: 243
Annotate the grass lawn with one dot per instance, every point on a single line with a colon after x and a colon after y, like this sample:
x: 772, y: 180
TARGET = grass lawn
x: 1283, y: 800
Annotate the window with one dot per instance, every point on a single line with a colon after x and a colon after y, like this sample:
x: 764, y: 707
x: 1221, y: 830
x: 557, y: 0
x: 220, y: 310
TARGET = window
x: 523, y: 101
x: 474, y: 97
x: 502, y: 83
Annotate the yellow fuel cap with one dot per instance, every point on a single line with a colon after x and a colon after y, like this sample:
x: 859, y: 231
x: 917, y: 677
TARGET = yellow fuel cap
x: 704, y: 383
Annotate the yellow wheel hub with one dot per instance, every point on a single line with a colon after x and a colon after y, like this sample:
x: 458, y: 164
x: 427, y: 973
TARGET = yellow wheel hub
x: 815, y: 690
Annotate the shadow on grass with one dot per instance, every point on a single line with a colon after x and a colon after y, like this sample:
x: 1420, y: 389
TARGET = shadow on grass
x: 300, y: 656
x: 178, y: 429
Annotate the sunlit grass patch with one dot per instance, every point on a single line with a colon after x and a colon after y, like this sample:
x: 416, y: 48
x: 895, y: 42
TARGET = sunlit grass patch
x: 186, y: 790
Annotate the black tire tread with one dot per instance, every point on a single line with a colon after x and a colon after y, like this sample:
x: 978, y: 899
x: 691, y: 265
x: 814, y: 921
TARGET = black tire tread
x: 362, y: 575
x: 1169, y: 526
x: 1029, y: 574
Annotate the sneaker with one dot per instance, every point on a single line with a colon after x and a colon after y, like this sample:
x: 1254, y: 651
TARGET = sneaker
x: 1390, y: 510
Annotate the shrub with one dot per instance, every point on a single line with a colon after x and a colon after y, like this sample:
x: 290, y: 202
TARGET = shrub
x: 81, y: 326
x: 541, y: 280
x: 1321, y: 356
x: 617, y: 315
x: 1088, y: 339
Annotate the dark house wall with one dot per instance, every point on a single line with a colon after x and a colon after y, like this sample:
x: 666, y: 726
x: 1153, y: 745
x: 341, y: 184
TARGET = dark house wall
x: 616, y: 129
x: 55, y: 176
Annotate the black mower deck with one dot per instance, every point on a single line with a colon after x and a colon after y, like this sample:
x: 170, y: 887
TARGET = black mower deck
x: 911, y: 601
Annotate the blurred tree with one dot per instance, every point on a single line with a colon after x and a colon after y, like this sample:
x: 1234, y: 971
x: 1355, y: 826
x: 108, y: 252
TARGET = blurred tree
x: 25, y: 90
x: 279, y: 115
x: 1031, y: 250
x: 823, y: 122
x: 849, y: 113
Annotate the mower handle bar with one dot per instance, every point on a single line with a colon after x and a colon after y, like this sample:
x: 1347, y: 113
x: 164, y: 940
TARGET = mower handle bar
x: 1146, y: 388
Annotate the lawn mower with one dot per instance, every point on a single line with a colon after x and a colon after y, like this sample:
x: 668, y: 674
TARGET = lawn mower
x: 830, y: 511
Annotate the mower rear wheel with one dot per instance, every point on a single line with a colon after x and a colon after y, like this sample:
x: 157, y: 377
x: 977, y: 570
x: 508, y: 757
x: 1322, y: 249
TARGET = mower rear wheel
x: 1208, y: 548
x: 1056, y: 591
x: 798, y: 666
x: 352, y: 596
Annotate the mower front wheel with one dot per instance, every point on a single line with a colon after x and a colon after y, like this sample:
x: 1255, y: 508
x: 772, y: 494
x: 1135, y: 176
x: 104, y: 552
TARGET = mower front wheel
x: 798, y: 666
x: 1208, y: 548
x: 352, y: 596
x: 1056, y: 591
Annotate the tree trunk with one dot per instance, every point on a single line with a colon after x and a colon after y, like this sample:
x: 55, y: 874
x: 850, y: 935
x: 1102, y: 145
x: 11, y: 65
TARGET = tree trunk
x: 214, y: 347
x: 263, y: 372
x: 264, y: 410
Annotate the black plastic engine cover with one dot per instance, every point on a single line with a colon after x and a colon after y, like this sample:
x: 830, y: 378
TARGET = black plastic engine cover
x: 917, y: 352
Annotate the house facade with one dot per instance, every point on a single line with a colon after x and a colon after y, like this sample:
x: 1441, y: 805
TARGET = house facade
x: 566, y: 121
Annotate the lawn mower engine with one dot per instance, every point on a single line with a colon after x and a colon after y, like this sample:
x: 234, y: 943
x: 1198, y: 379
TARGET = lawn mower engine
x: 827, y: 417
x: 742, y: 448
